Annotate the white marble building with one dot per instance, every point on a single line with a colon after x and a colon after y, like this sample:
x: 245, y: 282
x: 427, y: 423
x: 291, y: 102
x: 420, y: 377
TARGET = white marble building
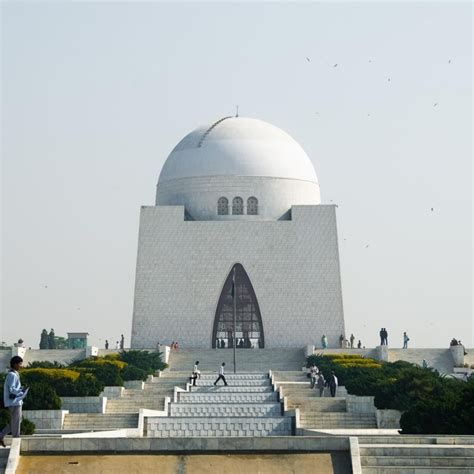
x: 237, y: 194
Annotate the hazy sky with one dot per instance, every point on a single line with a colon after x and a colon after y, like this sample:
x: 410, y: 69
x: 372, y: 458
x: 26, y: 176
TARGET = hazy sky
x: 96, y: 95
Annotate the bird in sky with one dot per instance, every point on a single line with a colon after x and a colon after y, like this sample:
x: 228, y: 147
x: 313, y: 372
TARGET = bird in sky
x: 432, y: 209
x: 335, y: 65
x: 370, y: 60
x: 307, y: 59
x: 368, y: 115
x: 388, y: 80
x: 449, y: 62
x: 435, y: 104
x: 367, y: 246
x: 46, y: 286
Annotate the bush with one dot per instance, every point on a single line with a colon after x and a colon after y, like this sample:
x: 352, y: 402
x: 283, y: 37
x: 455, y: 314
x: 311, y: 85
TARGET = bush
x: 108, y: 375
x: 150, y: 362
x: 95, y: 362
x: 63, y: 380
x: 27, y: 427
x: 45, y: 364
x: 41, y: 397
x: 86, y: 385
x: 133, y: 373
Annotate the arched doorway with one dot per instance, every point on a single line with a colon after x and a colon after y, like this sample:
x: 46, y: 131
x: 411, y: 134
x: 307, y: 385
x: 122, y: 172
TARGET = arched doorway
x: 249, y: 327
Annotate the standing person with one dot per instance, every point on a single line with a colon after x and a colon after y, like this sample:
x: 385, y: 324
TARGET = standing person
x: 195, y: 374
x: 332, y: 384
x: 106, y: 344
x: 122, y: 342
x: 117, y: 345
x: 405, y: 340
x: 321, y: 383
x: 12, y: 390
x: 359, y: 344
x: 385, y: 336
x: 324, y: 341
x: 352, y: 339
x: 313, y: 372
x: 381, y: 336
x: 221, y: 375
x: 341, y: 340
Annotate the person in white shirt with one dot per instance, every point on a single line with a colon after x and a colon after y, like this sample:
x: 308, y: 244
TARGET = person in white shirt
x: 196, y: 373
x: 221, y: 375
x: 13, y: 394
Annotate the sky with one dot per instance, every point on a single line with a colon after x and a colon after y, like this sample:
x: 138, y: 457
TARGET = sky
x: 96, y: 95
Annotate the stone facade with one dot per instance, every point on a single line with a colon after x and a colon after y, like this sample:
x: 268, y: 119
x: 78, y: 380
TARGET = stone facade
x: 293, y: 266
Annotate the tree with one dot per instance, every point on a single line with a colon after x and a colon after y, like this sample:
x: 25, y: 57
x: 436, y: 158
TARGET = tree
x: 51, y: 340
x: 44, y: 341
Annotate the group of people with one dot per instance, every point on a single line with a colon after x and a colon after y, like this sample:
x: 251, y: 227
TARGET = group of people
x: 196, y: 374
x: 318, y: 382
x: 119, y: 345
x: 344, y: 343
x: 174, y: 346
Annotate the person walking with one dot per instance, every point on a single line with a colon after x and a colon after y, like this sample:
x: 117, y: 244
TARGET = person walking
x: 313, y: 372
x: 221, y: 375
x: 324, y: 342
x: 13, y: 394
x: 405, y: 340
x: 196, y: 373
x: 321, y: 383
x: 332, y: 384
x: 352, y: 339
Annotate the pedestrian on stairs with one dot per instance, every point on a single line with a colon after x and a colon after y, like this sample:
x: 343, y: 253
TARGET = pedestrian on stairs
x: 196, y: 373
x: 313, y: 372
x: 332, y: 383
x: 321, y: 383
x: 221, y: 375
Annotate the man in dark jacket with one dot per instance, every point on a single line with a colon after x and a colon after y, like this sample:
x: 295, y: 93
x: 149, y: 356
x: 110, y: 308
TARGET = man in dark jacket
x: 332, y: 384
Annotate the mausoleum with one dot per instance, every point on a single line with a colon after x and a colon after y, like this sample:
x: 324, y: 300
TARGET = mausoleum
x: 237, y: 197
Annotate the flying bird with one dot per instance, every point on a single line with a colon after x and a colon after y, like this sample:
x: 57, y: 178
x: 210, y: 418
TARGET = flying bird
x: 389, y: 79
x: 307, y: 59
x: 367, y: 246
x: 432, y: 209
x: 335, y: 65
x: 46, y: 286
x: 435, y: 104
x: 449, y: 62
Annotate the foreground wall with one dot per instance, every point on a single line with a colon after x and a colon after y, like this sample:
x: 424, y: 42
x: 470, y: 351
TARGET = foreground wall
x: 293, y: 266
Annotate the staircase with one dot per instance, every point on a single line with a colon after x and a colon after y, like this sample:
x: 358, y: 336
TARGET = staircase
x: 248, y: 360
x: 439, y: 359
x: 320, y: 412
x: 123, y: 412
x: 397, y: 456
x: 246, y: 407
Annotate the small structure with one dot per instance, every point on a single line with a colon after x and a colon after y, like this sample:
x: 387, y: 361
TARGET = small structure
x: 77, y: 340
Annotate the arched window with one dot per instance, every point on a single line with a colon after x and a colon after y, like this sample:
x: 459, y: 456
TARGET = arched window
x: 237, y: 206
x: 252, y: 206
x: 223, y: 206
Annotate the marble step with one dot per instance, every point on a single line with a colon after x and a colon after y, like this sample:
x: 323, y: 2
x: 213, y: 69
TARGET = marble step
x: 415, y: 470
x: 434, y: 461
x: 209, y: 382
x: 225, y: 409
x: 212, y: 376
x: 318, y: 405
x: 416, y: 450
x: 100, y: 420
x: 171, y: 427
x: 231, y: 388
x: 227, y: 397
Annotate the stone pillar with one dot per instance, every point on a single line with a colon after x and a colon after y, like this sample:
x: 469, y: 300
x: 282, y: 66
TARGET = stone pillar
x: 382, y: 353
x: 92, y: 351
x: 457, y: 352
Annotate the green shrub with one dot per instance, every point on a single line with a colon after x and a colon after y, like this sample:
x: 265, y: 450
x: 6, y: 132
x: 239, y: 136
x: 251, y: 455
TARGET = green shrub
x: 45, y: 364
x: 95, y: 362
x: 86, y: 385
x: 42, y: 397
x: 62, y: 380
x: 27, y: 427
x: 109, y: 375
x: 133, y: 373
x: 150, y: 362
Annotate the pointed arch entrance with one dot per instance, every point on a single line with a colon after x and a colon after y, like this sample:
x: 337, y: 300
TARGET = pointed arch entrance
x: 249, y: 327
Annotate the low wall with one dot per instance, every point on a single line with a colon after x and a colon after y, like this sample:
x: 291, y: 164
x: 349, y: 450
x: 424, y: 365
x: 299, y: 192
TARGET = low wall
x: 388, y: 419
x: 84, y: 404
x: 356, y: 404
x: 46, y: 419
x: 63, y: 356
x: 134, y: 384
x: 113, y: 392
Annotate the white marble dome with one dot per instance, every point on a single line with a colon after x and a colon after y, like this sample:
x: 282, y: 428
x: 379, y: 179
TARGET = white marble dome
x: 237, y: 157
